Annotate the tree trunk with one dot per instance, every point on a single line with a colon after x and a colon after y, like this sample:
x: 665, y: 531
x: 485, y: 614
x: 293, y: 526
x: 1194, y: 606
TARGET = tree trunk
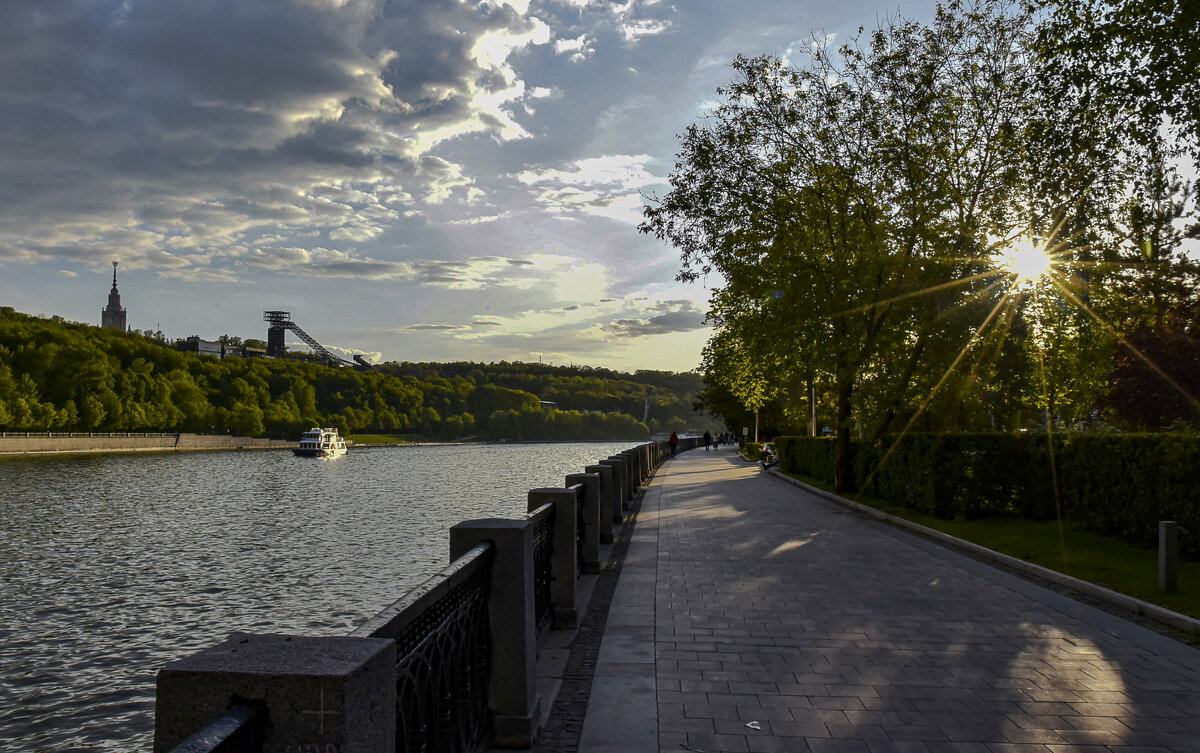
x: 843, y: 473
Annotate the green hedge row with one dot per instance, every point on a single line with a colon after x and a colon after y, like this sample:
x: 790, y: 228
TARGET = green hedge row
x: 1117, y: 484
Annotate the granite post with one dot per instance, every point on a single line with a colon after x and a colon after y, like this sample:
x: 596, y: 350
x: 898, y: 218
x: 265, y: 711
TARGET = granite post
x: 590, y: 543
x: 512, y: 688
x: 610, y: 511
x: 320, y: 693
x: 621, y: 478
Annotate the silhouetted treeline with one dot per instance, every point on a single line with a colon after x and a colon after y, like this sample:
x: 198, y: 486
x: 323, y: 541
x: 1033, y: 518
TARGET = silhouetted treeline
x: 62, y: 376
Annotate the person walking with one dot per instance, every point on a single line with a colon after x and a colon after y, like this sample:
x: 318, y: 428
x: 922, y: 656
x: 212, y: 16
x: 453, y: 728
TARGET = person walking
x: 674, y: 442
x: 707, y: 440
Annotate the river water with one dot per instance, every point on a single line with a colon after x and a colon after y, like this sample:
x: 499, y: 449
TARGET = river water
x: 113, y: 565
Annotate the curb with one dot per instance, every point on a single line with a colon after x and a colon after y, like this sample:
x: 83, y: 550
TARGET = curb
x: 1143, y: 608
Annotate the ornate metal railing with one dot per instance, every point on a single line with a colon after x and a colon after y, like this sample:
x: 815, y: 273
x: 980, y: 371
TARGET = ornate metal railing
x: 76, y: 434
x: 543, y: 550
x: 580, y: 526
x: 444, y: 644
x: 442, y: 649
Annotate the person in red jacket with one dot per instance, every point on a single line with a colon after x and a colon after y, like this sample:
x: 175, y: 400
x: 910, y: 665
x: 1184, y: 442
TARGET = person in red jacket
x: 674, y: 442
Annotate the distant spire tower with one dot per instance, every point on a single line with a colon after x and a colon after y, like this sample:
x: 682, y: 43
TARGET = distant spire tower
x: 113, y: 315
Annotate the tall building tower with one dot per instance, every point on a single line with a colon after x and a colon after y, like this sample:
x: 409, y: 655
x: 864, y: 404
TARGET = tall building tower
x: 113, y: 315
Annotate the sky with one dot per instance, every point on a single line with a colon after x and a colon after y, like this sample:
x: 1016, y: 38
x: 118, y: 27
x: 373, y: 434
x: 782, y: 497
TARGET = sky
x: 414, y: 180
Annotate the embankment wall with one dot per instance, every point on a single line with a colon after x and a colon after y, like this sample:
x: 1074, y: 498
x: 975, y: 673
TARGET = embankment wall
x: 37, y: 444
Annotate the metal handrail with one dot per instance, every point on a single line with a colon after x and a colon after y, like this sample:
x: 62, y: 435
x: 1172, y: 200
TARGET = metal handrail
x: 239, y: 730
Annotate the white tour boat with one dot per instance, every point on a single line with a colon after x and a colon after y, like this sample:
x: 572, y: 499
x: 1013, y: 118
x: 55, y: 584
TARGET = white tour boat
x: 321, y: 443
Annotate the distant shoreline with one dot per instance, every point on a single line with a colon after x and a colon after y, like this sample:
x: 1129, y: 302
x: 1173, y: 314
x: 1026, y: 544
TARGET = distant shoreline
x: 43, y: 443
x: 97, y: 442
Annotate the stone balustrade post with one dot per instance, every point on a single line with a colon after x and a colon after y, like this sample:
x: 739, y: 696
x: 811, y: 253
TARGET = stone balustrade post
x: 589, y: 554
x: 621, y: 476
x: 610, y: 509
x: 564, y: 562
x: 512, y: 682
x: 328, y: 693
x: 635, y: 473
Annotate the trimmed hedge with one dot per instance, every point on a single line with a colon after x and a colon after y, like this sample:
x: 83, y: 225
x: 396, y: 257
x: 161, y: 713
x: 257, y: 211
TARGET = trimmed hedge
x: 1116, y: 484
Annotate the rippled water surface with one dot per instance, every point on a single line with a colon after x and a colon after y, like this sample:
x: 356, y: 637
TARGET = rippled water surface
x: 112, y: 565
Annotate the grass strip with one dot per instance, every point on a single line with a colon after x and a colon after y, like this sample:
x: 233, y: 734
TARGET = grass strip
x: 382, y: 438
x: 1066, y: 548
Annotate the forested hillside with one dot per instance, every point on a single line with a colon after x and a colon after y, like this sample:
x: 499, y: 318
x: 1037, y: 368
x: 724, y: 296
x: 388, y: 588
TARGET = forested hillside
x: 62, y: 376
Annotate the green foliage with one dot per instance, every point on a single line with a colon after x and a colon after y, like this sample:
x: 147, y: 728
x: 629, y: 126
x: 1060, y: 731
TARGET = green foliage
x: 855, y: 202
x: 847, y: 203
x: 1141, y: 54
x: 56, y: 375
x: 1116, y: 484
x: 538, y: 424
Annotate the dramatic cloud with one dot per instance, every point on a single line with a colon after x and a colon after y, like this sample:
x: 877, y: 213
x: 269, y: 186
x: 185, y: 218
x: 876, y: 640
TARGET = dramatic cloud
x: 475, y: 273
x: 440, y: 179
x: 196, y: 125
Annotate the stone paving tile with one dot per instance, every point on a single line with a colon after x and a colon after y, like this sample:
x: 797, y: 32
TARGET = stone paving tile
x: 836, y: 632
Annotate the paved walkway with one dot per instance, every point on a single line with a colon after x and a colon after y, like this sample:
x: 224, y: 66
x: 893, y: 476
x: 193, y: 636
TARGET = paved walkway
x: 746, y: 602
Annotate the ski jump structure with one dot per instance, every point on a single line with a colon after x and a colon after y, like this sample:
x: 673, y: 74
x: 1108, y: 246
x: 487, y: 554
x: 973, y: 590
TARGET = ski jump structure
x: 279, y: 322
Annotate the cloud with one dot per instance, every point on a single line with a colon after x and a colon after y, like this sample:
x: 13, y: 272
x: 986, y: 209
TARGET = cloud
x: 470, y: 274
x: 633, y: 19
x: 633, y: 30
x: 666, y: 317
x: 349, y: 353
x: 190, y: 128
x: 607, y: 186
x: 433, y: 328
x: 479, y: 220
x: 590, y: 324
x: 578, y: 49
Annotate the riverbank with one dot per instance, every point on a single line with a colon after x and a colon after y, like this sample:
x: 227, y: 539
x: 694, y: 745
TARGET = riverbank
x: 100, y: 442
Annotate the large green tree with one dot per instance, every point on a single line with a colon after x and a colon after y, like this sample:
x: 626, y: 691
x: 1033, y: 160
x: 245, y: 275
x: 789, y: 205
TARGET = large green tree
x: 847, y: 202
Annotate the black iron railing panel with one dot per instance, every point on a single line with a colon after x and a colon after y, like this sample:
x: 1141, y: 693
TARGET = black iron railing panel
x: 579, y: 526
x: 442, y: 658
x: 543, y: 550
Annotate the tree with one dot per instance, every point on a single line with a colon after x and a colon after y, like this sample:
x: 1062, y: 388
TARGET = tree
x: 1144, y: 397
x: 848, y: 203
x: 1143, y: 54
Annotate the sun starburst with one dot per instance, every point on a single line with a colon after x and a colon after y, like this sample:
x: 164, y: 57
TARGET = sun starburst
x: 1026, y: 262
